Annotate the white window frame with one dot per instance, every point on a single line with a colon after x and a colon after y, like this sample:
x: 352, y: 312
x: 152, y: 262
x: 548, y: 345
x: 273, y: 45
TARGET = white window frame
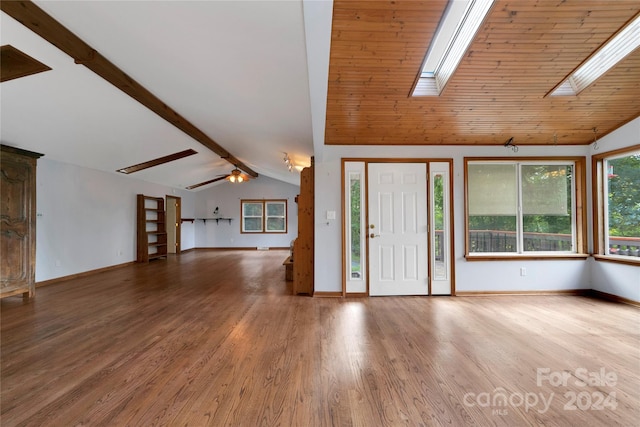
x: 264, y: 216
x: 267, y: 203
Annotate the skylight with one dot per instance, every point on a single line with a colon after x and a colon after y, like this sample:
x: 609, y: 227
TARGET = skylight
x: 452, y: 39
x: 622, y: 44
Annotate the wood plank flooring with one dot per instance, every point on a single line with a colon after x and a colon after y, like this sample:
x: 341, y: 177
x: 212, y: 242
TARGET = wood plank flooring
x: 214, y: 338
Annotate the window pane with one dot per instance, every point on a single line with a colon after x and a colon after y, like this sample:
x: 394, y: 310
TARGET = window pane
x: 275, y: 224
x: 546, y: 206
x: 492, y: 196
x: 275, y: 209
x: 252, y: 209
x: 438, y: 216
x: 252, y: 224
x: 492, y: 234
x: 356, y: 221
x: 623, y: 205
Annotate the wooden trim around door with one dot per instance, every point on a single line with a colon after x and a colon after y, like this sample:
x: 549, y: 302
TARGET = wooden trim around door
x: 366, y: 162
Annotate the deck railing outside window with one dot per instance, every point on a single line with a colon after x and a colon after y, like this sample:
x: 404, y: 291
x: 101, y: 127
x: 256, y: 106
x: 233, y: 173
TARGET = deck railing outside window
x: 494, y: 241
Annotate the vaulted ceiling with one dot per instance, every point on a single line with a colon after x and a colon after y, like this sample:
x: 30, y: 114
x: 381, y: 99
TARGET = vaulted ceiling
x: 520, y: 53
x: 235, y: 70
x: 260, y: 78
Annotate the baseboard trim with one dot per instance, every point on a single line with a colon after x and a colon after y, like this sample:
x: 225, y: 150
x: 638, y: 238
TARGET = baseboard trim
x: 83, y: 274
x: 613, y: 298
x: 575, y: 292
x: 244, y: 248
x: 325, y: 294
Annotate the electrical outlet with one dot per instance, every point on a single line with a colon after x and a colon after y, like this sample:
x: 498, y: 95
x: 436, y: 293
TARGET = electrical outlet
x: 523, y: 271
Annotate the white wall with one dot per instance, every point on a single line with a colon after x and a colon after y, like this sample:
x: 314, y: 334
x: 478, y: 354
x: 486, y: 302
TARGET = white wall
x: 227, y: 198
x: 87, y: 218
x: 471, y: 276
x: 617, y: 279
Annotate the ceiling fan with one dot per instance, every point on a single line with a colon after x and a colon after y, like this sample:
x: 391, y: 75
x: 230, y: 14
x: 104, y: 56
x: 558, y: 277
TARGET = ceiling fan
x: 235, y: 177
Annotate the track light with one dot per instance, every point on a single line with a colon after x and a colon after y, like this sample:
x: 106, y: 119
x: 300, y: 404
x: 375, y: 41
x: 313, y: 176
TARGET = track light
x: 510, y: 144
x: 288, y: 162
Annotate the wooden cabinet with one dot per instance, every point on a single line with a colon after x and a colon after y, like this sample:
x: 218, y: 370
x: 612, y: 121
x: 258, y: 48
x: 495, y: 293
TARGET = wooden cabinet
x: 18, y: 229
x: 152, y: 228
x: 303, y: 245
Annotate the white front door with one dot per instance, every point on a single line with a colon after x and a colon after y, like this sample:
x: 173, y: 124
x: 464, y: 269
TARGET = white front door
x: 398, y: 240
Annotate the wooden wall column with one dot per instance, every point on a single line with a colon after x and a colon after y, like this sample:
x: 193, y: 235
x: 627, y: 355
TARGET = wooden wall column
x: 303, y: 246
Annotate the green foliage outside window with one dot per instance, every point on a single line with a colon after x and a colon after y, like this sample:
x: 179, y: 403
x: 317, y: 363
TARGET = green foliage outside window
x: 624, y: 196
x: 355, y: 225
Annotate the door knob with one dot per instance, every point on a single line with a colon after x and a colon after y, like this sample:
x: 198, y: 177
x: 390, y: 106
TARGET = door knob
x: 372, y: 235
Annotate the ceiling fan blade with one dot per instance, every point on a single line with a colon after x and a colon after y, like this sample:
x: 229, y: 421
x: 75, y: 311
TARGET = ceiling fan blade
x: 220, y: 178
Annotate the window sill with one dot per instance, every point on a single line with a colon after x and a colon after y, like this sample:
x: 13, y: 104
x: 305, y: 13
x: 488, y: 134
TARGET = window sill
x: 618, y: 259
x: 510, y: 257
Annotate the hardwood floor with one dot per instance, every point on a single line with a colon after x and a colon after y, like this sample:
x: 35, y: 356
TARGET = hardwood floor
x: 214, y: 338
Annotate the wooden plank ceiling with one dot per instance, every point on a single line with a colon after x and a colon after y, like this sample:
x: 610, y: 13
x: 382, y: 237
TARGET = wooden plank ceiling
x: 521, y: 52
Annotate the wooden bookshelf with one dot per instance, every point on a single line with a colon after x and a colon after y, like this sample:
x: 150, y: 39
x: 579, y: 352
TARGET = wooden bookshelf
x: 151, y: 228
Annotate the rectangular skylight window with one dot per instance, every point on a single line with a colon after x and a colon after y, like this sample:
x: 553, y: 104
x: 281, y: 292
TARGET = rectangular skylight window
x: 621, y: 45
x: 158, y: 161
x: 452, y: 39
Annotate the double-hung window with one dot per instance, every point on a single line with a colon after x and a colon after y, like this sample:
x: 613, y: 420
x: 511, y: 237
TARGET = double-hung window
x: 616, y: 195
x: 264, y: 216
x: 524, y: 207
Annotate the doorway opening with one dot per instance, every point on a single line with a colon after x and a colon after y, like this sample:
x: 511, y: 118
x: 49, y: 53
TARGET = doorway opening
x: 174, y: 220
x: 397, y: 227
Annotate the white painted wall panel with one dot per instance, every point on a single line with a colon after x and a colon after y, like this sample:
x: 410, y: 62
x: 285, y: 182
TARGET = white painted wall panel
x: 87, y: 218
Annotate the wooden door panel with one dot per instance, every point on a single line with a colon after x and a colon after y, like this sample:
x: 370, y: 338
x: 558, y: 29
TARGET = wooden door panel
x: 17, y: 221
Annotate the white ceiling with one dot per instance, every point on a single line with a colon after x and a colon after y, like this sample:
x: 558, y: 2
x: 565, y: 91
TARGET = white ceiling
x: 235, y: 69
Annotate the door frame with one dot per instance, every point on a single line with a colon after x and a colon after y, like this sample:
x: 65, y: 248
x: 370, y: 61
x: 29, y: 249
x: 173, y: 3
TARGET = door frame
x: 365, y: 208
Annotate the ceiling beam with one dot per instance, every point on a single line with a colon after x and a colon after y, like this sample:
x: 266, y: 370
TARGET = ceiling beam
x: 38, y: 21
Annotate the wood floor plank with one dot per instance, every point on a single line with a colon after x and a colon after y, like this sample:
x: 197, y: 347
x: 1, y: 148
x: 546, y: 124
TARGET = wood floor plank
x: 215, y: 338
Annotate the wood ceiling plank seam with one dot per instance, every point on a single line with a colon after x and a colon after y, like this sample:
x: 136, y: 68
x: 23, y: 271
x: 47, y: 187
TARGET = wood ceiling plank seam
x: 38, y: 21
